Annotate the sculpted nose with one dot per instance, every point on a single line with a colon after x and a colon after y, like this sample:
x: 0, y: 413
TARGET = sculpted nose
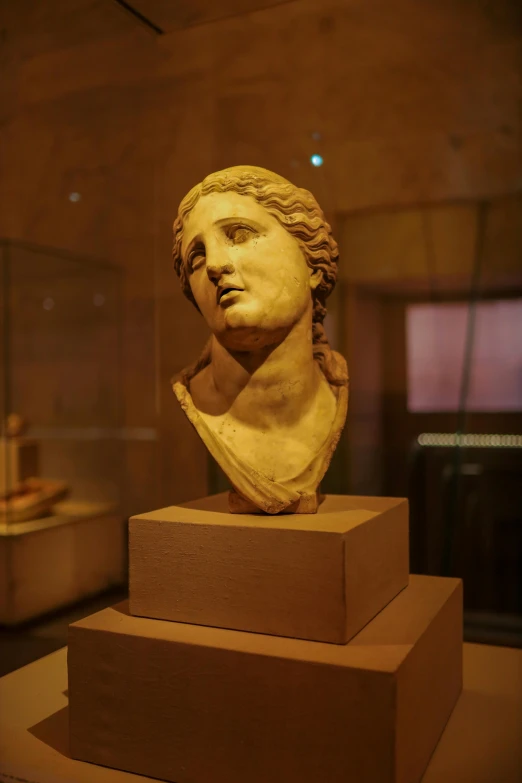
x: 219, y: 266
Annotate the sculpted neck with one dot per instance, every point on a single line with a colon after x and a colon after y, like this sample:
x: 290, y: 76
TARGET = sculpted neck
x: 273, y: 386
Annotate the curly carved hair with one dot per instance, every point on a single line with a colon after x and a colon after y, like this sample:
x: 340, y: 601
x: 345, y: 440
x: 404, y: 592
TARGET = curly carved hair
x: 300, y: 214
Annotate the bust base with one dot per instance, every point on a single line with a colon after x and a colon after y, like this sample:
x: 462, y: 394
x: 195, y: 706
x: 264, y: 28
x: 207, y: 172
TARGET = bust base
x: 307, y: 504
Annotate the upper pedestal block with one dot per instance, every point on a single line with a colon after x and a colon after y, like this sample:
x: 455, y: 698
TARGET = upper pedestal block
x: 319, y: 576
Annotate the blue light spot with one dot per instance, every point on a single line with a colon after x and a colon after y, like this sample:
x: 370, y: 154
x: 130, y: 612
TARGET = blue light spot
x: 316, y: 160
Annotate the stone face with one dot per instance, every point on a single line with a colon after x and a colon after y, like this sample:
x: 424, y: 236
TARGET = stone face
x: 320, y: 577
x: 184, y: 703
x: 268, y: 396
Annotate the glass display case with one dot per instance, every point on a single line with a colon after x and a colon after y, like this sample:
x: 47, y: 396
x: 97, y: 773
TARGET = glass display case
x: 61, y: 348
x: 61, y: 445
x: 430, y: 318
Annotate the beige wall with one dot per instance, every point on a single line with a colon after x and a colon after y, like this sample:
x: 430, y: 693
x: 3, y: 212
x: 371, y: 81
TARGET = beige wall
x: 434, y: 247
x: 415, y: 102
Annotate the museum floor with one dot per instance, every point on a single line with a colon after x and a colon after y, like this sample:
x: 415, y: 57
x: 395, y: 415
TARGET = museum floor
x: 26, y: 643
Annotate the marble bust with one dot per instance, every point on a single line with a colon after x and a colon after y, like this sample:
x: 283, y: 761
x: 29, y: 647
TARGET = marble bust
x: 268, y: 396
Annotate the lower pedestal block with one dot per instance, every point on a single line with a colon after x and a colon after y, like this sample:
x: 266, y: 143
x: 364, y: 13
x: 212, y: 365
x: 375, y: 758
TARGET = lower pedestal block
x: 194, y: 704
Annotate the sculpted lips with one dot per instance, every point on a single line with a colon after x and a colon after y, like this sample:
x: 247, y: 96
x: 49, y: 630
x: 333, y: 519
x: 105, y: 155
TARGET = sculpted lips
x: 224, y: 291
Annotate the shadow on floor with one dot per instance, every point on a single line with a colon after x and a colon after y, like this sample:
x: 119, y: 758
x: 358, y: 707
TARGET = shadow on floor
x: 26, y: 643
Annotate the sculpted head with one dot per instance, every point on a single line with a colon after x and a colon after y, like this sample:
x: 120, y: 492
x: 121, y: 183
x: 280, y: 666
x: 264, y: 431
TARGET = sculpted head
x: 255, y: 255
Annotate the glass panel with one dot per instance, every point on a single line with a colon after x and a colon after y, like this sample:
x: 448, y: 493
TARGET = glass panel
x: 436, y: 343
x: 62, y: 374
x: 430, y: 319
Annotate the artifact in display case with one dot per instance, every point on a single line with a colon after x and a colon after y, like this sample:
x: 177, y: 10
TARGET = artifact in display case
x: 23, y: 494
x: 261, y: 644
x: 61, y: 367
x: 62, y: 534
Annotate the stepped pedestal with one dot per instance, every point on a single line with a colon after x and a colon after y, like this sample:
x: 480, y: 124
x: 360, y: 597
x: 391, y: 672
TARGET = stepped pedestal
x: 188, y: 699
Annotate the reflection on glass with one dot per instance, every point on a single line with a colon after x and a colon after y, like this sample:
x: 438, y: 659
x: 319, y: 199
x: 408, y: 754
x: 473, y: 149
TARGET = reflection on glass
x: 436, y: 337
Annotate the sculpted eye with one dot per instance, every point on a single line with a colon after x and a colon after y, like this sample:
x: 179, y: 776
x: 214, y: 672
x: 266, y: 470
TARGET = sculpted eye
x: 240, y: 234
x: 196, y: 258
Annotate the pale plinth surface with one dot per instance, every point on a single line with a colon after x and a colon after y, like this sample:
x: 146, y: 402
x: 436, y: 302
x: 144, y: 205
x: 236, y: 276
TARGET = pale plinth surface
x: 268, y: 396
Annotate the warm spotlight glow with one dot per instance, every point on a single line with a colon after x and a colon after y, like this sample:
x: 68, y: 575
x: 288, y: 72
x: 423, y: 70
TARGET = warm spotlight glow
x: 316, y: 160
x: 74, y: 197
x: 48, y: 303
